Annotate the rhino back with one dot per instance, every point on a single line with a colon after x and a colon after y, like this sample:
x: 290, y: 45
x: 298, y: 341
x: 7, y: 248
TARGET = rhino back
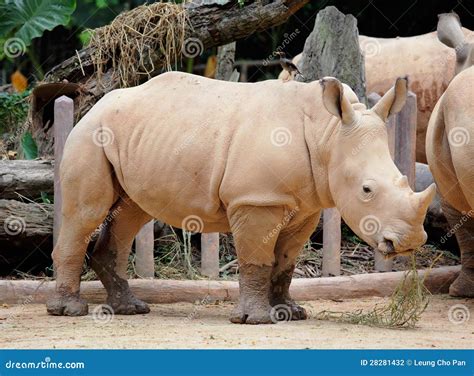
x: 186, y: 145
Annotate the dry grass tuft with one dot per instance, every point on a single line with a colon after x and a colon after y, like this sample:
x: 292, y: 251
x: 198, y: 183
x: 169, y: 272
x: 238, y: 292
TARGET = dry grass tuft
x: 404, y: 310
x: 139, y: 39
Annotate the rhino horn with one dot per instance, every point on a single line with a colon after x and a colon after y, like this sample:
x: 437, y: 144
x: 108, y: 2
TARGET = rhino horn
x: 423, y: 199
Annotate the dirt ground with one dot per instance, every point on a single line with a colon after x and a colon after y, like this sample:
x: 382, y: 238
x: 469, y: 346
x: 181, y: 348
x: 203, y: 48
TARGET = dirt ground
x: 197, y: 326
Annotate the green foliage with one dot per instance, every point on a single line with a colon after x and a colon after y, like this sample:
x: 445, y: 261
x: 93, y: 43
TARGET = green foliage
x: 13, y: 110
x: 29, y: 147
x: 29, y: 19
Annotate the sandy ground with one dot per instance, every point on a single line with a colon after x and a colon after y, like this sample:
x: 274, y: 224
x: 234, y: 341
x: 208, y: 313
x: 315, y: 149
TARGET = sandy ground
x: 196, y: 326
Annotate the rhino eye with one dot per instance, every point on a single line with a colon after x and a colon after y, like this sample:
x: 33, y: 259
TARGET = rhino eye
x: 367, y: 189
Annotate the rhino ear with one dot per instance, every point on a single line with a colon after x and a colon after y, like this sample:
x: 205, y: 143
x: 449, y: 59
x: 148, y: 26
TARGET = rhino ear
x: 449, y: 30
x: 393, y: 100
x: 336, y: 102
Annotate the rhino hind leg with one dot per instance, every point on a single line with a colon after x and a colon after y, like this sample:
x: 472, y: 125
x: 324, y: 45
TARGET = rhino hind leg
x: 287, y: 249
x: 84, y: 207
x: 280, y: 297
x: 110, y: 256
x: 463, y: 286
x: 255, y: 231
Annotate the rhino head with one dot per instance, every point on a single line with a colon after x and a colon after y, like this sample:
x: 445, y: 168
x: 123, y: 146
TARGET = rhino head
x: 371, y: 194
x: 450, y: 33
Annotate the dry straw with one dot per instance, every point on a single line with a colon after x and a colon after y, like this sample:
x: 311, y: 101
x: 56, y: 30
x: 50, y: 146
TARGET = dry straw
x: 140, y: 41
x: 404, y: 309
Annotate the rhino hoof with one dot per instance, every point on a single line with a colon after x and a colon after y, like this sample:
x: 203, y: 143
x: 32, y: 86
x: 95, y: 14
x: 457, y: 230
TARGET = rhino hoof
x: 251, y: 316
x: 130, y: 306
x: 67, y: 306
x: 298, y: 312
x: 463, y: 286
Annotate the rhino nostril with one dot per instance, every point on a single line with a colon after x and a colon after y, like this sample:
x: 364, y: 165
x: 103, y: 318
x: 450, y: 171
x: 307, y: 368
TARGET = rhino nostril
x: 386, y: 247
x: 389, y: 245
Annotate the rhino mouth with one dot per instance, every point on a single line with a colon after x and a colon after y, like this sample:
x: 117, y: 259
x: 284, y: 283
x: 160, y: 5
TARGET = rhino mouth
x: 387, y: 248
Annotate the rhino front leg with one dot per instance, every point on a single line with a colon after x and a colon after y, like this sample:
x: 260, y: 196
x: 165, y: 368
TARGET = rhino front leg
x: 110, y: 256
x: 289, y: 244
x: 255, y: 231
x: 463, y: 286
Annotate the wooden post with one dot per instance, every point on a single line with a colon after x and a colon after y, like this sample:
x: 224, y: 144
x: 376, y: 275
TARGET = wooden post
x: 63, y: 123
x: 210, y: 241
x: 210, y: 254
x: 144, y: 249
x: 331, y: 242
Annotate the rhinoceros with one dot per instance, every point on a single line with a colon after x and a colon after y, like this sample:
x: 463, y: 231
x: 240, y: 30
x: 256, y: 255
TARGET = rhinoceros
x: 260, y: 160
x: 429, y: 64
x: 450, y: 150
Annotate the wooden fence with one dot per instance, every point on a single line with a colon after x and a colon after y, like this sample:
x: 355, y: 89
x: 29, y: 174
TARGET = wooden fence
x: 402, y: 138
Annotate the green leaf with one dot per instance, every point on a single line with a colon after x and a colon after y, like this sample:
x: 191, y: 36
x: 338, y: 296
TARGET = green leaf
x: 29, y: 19
x: 29, y: 146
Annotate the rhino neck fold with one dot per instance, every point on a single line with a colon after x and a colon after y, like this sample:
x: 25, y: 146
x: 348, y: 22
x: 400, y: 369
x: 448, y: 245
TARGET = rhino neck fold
x: 319, y: 136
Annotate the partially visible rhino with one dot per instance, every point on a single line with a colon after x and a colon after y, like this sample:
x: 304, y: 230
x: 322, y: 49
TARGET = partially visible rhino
x: 258, y: 159
x: 450, y: 150
x: 429, y: 64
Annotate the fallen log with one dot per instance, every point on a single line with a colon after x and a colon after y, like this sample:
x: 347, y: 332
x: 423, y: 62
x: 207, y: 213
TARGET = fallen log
x: 26, y: 178
x: 20, y: 220
x: 172, y: 291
